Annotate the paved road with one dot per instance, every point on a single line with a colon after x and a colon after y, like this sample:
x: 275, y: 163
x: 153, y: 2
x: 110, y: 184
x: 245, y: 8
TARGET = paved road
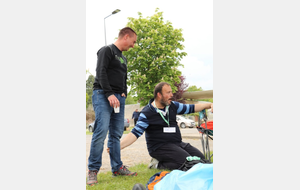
x: 137, y: 152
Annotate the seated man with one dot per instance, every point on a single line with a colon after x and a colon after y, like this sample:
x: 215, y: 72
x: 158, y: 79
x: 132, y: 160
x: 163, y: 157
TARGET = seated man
x: 163, y: 136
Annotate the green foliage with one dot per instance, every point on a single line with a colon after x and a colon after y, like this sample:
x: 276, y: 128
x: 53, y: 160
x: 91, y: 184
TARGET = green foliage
x: 130, y: 100
x: 194, y: 88
x: 87, y: 98
x: 89, y: 89
x: 155, y: 57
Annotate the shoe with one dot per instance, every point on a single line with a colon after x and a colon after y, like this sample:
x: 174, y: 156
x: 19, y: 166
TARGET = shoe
x: 92, y: 177
x: 153, y: 163
x: 124, y: 171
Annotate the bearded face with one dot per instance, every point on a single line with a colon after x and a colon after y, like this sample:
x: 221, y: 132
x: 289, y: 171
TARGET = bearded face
x: 166, y: 95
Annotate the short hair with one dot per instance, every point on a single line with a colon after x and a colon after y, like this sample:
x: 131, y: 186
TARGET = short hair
x: 158, y: 88
x: 126, y: 30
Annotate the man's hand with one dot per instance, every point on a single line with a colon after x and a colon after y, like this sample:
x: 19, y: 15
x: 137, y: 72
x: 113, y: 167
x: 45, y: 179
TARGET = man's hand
x: 113, y: 101
x: 123, y: 95
x: 201, y: 106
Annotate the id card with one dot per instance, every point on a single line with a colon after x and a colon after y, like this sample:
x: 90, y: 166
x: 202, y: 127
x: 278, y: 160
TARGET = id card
x: 169, y: 129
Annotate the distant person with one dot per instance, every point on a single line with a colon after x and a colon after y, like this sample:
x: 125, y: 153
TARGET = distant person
x: 163, y: 137
x: 135, y: 116
x: 109, y: 92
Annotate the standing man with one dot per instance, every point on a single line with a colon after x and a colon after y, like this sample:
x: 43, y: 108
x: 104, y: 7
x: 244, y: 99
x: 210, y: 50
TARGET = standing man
x: 109, y: 92
x: 163, y: 137
x: 135, y: 116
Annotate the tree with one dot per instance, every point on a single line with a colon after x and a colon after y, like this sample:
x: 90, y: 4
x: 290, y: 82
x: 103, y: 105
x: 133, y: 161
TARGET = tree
x: 87, y: 98
x: 181, y: 88
x: 89, y: 88
x: 194, y: 88
x: 130, y: 100
x: 155, y: 57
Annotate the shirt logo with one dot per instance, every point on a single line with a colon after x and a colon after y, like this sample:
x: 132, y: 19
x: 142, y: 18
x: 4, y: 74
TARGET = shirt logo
x: 121, y: 60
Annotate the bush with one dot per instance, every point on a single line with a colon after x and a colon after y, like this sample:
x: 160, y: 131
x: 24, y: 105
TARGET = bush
x: 90, y: 116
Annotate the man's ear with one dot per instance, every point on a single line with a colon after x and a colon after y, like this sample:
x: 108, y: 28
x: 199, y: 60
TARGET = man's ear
x: 126, y: 36
x: 159, y: 95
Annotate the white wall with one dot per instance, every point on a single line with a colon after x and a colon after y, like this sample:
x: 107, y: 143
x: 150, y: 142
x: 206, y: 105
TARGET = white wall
x: 129, y: 109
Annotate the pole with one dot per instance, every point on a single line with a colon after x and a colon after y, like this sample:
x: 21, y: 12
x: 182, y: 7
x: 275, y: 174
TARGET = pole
x: 104, y: 32
x: 105, y: 29
x: 114, y: 12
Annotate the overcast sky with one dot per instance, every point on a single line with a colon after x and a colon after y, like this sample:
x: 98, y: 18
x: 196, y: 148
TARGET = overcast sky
x: 194, y: 17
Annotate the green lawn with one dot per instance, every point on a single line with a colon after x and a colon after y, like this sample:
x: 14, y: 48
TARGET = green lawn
x: 128, y: 130
x: 107, y: 182
x: 88, y: 133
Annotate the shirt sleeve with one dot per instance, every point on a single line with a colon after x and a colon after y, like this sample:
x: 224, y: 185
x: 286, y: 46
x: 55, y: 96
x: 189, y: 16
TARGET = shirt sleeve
x: 125, y: 86
x: 141, y: 126
x: 184, y: 108
x: 104, y: 58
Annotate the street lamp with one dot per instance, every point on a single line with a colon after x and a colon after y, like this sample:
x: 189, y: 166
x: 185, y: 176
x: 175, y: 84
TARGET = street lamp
x: 114, y: 12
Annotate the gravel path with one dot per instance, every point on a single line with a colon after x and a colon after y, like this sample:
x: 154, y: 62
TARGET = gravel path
x: 137, y: 152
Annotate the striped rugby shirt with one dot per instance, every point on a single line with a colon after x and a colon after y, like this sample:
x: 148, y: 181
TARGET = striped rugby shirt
x: 151, y: 122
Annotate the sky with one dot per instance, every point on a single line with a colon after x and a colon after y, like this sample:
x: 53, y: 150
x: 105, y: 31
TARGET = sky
x: 195, y: 18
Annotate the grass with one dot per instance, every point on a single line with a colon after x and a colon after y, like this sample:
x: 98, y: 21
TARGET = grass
x: 88, y: 132
x: 128, y: 130
x: 107, y: 182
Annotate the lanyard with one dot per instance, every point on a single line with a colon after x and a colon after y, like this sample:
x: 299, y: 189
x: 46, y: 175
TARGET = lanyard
x: 159, y: 111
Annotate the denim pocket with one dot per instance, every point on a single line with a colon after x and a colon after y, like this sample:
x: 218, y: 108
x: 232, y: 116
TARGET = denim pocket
x: 100, y: 91
x: 97, y: 96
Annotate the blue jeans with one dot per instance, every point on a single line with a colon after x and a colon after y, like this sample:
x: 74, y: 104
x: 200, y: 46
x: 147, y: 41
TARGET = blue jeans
x: 106, y: 120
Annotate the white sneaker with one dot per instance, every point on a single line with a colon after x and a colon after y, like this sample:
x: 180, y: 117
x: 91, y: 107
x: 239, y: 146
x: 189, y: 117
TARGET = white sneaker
x: 153, y: 163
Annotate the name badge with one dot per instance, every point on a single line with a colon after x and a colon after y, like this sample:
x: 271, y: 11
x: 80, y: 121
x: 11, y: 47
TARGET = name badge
x: 169, y: 129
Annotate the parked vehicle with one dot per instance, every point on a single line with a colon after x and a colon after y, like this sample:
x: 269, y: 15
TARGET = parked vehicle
x: 126, y: 125
x: 209, y: 115
x: 183, y: 122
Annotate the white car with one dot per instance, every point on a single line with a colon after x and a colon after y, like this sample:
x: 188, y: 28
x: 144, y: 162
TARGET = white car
x: 183, y: 122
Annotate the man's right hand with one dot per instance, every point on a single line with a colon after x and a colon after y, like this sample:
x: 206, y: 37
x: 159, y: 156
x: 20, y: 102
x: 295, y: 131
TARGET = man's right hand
x: 113, y: 101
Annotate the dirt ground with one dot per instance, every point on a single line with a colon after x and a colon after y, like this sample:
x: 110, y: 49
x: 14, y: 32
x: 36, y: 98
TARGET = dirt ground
x: 137, y: 152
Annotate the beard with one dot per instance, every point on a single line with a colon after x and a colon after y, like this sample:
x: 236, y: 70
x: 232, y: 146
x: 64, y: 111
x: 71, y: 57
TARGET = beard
x: 165, y: 102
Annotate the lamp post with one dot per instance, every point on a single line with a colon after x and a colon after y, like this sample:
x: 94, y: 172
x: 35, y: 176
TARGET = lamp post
x: 114, y: 12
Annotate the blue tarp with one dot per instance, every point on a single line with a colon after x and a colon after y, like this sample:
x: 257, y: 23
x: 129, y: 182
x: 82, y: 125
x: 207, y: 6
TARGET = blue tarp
x: 199, y: 177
